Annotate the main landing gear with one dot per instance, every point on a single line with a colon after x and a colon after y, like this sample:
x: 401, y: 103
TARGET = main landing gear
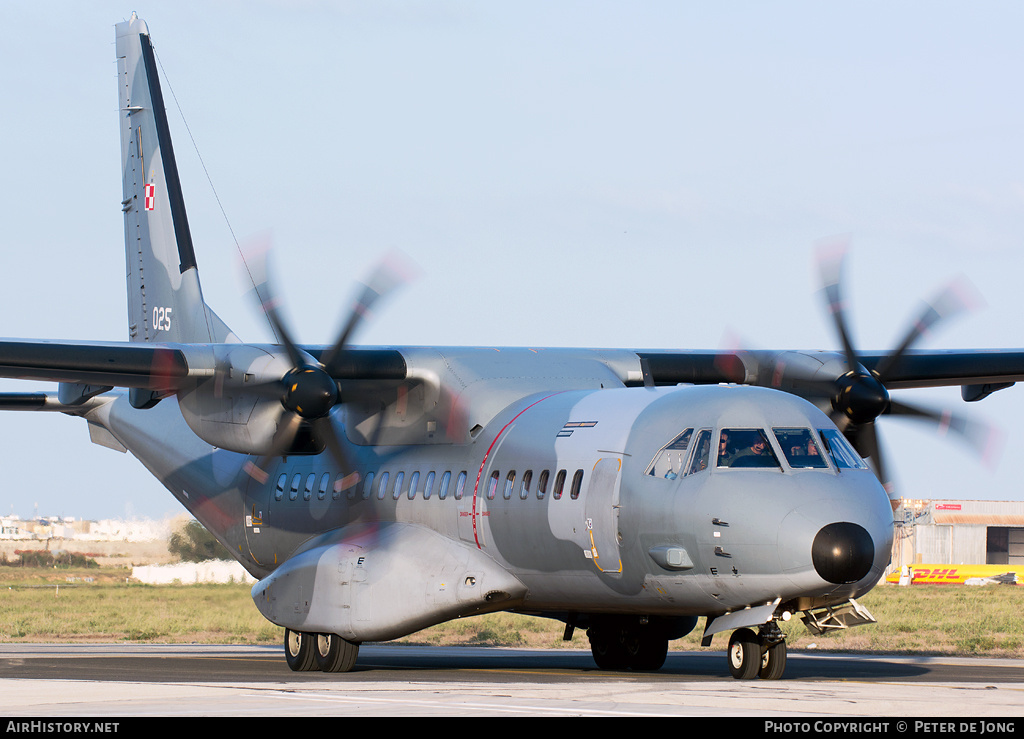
x: 760, y: 655
x: 325, y: 652
x: 628, y: 644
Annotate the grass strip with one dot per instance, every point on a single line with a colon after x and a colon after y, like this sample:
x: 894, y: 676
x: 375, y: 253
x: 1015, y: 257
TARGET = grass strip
x: 69, y: 607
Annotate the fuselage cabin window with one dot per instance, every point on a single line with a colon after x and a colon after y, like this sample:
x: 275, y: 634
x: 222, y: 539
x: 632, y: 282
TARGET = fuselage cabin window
x: 367, y: 485
x: 559, y: 485
x: 428, y: 485
x: 282, y: 482
x: 460, y: 485
x: 414, y: 481
x: 382, y: 485
x: 397, y: 492
x: 577, y: 483
x: 542, y: 485
x: 524, y: 486
x: 325, y: 481
x: 492, y: 485
x: 442, y: 492
x: 510, y: 482
x: 293, y: 491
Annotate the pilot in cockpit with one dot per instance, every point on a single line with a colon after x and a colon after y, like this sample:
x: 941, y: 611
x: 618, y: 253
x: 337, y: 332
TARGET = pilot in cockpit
x: 756, y: 449
x: 725, y: 454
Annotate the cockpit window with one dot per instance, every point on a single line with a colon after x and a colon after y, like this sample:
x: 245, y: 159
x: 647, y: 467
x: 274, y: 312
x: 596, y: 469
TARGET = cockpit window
x: 843, y: 455
x: 669, y: 460
x: 746, y: 448
x: 800, y: 449
x: 701, y: 452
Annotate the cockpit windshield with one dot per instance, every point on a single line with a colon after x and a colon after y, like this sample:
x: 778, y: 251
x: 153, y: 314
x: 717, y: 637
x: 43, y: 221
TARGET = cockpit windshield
x: 687, y: 454
x: 669, y: 460
x: 843, y: 455
x: 746, y: 448
x: 692, y: 451
x: 800, y: 448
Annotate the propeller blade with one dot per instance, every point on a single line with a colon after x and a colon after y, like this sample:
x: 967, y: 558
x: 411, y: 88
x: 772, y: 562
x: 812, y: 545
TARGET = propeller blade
x: 831, y: 258
x: 287, y: 429
x: 983, y: 439
x: 390, y: 273
x: 263, y: 289
x: 956, y: 297
x: 841, y: 421
x: 868, y: 439
x: 323, y: 428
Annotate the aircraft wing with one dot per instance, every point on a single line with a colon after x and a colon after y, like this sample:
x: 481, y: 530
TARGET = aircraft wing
x: 166, y: 367
x: 946, y: 368
x: 163, y: 367
x: 978, y: 372
x: 100, y: 364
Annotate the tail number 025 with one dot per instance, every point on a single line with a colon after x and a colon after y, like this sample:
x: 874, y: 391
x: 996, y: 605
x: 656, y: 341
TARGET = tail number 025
x: 161, y: 319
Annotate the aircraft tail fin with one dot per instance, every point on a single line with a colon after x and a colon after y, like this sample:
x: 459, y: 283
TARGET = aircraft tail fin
x: 165, y: 300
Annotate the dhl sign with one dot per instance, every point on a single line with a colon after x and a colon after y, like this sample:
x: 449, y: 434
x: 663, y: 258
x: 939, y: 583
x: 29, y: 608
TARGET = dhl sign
x: 961, y: 574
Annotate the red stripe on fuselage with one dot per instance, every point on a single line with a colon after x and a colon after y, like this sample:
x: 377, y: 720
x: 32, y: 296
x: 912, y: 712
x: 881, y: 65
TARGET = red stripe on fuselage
x: 483, y: 463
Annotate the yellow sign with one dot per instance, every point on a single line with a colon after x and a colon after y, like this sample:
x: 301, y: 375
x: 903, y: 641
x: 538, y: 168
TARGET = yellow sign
x: 962, y: 574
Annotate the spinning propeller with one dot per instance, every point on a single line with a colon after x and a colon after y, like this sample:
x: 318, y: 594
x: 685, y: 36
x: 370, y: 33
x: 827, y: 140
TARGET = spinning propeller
x: 308, y: 391
x: 859, y: 396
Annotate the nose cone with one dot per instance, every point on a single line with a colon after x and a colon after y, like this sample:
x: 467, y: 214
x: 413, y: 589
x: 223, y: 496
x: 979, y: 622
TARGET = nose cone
x: 842, y: 553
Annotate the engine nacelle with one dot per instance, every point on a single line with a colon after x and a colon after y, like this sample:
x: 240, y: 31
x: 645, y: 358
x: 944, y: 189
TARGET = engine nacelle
x: 238, y: 405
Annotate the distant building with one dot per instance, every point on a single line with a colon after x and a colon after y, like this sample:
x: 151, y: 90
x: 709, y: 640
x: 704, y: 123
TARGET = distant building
x: 127, y: 530
x: 959, y: 532
x: 187, y: 573
x: 12, y: 527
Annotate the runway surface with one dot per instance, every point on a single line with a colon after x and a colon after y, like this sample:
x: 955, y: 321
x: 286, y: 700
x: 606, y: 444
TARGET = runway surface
x: 391, y: 680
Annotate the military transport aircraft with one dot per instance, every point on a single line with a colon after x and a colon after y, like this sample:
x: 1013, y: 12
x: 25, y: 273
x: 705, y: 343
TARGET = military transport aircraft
x: 377, y: 491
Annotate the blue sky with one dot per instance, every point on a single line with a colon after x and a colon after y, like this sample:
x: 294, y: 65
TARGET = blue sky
x: 650, y: 174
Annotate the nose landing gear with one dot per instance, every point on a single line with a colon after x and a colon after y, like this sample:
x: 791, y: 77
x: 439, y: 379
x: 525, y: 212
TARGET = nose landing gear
x: 760, y: 655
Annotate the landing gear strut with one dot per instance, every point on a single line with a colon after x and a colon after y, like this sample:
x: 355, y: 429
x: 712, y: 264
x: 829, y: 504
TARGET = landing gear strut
x: 325, y: 652
x: 761, y: 655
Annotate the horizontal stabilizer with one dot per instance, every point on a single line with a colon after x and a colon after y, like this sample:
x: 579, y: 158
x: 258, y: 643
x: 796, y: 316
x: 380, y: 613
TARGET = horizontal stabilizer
x: 28, y: 402
x: 48, y: 402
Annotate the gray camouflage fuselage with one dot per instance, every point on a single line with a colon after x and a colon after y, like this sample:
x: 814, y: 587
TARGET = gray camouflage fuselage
x: 623, y: 542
